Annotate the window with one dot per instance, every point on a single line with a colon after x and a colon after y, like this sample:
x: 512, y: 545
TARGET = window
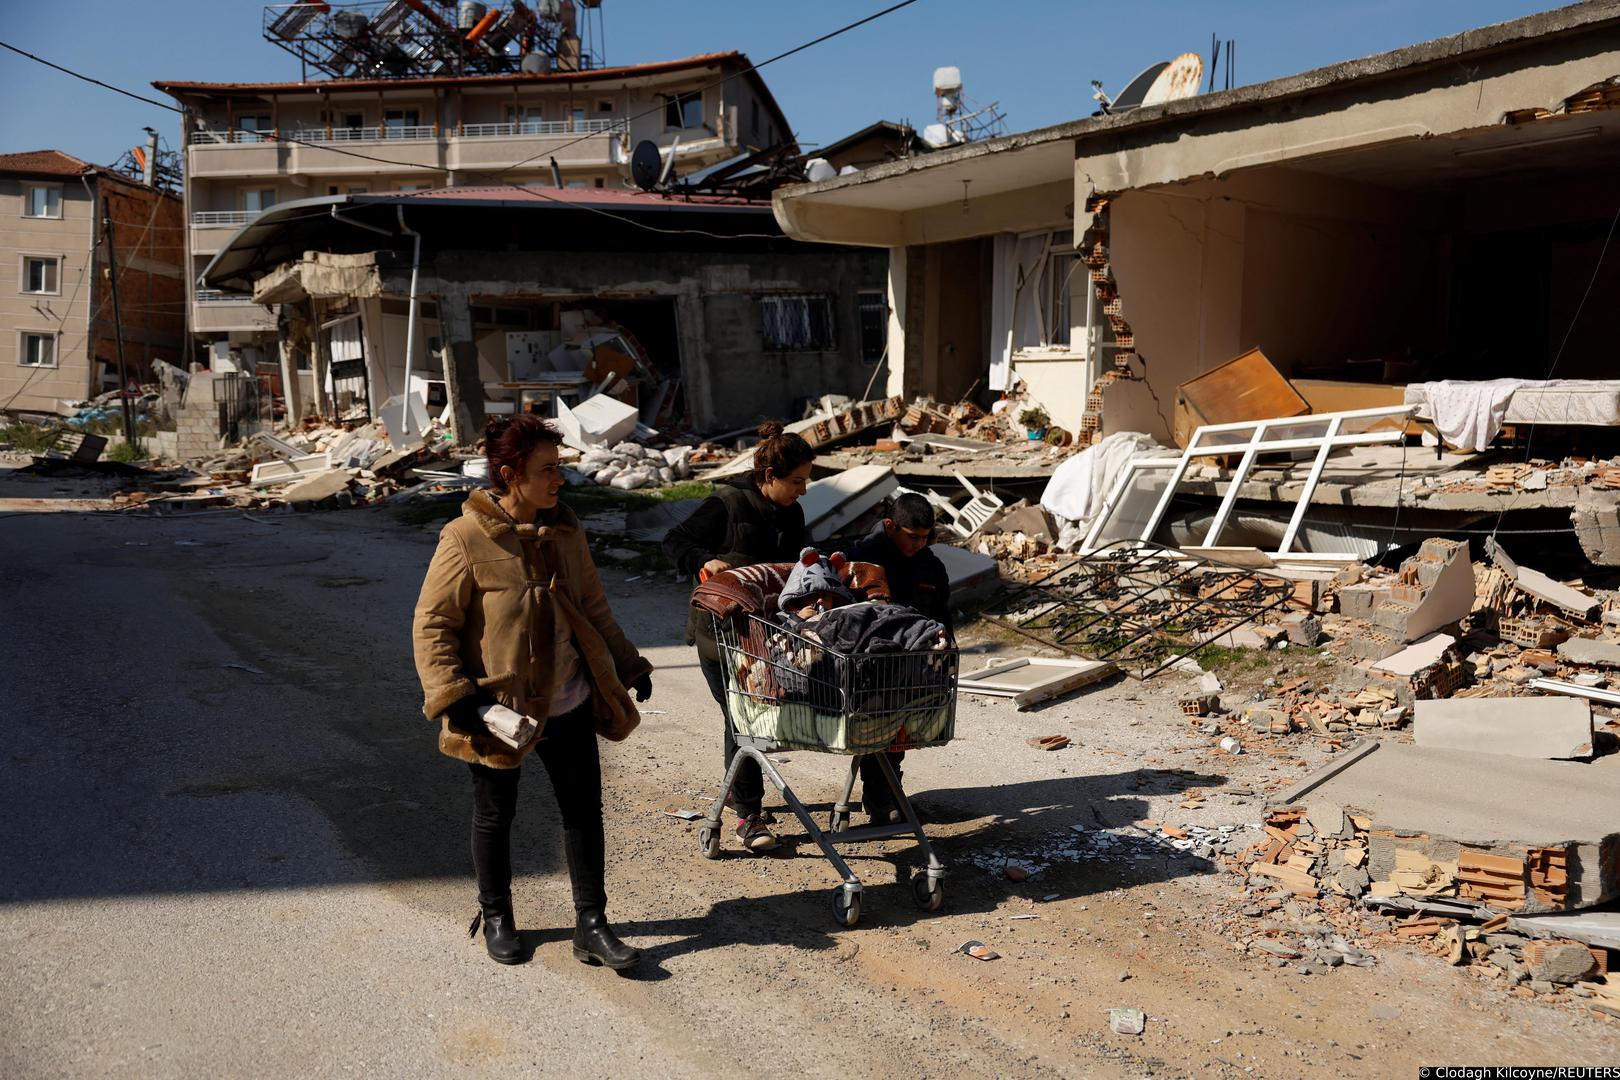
x: 1040, y: 270
x: 42, y: 201
x: 396, y: 121
x: 603, y: 106
x: 600, y: 182
x: 797, y: 322
x: 409, y: 187
x: 254, y: 129
x: 577, y: 116
x: 38, y: 349
x: 258, y: 200
x: 683, y: 111
x: 873, y: 307
x: 40, y: 274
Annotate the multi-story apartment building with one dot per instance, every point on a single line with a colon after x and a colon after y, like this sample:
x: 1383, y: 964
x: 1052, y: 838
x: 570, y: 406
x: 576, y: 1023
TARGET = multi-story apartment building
x: 249, y: 146
x: 59, y: 341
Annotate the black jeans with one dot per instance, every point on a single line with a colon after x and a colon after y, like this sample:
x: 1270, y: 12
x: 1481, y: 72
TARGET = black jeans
x: 568, y: 752
x: 874, y: 788
x: 748, y: 790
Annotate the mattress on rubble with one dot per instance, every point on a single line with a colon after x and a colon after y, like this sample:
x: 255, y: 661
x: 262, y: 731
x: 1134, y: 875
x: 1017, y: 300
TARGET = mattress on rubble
x: 1585, y: 402
x: 796, y: 725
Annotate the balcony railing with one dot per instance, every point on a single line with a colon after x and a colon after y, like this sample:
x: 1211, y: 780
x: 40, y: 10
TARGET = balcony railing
x: 405, y: 133
x: 541, y: 127
x: 214, y: 296
x: 208, y: 219
x: 385, y: 133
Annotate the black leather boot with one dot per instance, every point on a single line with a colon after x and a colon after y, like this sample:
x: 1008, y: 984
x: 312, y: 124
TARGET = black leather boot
x: 500, y: 932
x: 596, y: 943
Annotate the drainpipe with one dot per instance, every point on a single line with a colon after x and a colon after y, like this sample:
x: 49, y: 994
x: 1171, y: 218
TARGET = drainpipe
x: 410, y: 320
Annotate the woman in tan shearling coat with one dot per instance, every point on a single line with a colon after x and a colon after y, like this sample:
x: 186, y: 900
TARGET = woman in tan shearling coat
x: 512, y: 612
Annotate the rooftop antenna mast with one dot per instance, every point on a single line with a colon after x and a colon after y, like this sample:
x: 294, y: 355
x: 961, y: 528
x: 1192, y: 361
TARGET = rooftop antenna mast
x: 959, y: 120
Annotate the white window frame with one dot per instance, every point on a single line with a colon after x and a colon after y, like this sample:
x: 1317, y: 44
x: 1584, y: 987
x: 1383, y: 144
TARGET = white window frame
x: 56, y: 348
x: 22, y: 273
x: 1325, y: 433
x: 28, y: 201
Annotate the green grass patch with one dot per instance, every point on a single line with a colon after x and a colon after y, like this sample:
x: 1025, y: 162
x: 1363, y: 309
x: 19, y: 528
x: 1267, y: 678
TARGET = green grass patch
x: 29, y: 438
x: 583, y: 501
x: 127, y: 452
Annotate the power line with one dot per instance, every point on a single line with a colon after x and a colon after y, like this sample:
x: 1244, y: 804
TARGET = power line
x: 726, y: 78
x: 89, y: 79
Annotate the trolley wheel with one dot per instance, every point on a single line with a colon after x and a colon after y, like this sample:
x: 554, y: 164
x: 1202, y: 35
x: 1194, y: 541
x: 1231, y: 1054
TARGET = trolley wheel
x: 928, y: 892
x: 838, y: 822
x: 846, y: 906
x: 709, y: 842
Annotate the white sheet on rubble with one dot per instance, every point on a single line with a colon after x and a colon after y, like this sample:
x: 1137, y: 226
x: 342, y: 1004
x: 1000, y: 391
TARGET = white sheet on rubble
x: 1078, y: 487
x: 1469, y: 414
x: 508, y: 725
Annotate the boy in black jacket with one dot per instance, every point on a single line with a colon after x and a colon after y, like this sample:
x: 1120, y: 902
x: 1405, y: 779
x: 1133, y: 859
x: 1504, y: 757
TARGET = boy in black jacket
x: 918, y: 580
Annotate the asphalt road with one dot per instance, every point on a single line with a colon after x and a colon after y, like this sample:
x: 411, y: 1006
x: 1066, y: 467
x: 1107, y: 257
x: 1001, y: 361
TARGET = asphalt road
x: 231, y: 849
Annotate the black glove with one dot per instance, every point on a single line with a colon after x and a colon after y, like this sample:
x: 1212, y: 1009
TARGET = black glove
x: 463, y: 716
x: 643, y: 687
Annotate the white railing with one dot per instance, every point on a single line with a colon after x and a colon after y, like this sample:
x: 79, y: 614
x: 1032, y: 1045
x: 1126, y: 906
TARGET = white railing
x: 215, y: 218
x: 541, y: 127
x: 385, y: 133
x: 214, y: 296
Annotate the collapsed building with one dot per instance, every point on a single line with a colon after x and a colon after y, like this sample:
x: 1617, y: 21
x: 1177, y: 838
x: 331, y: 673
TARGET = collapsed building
x: 526, y: 297
x: 1431, y: 213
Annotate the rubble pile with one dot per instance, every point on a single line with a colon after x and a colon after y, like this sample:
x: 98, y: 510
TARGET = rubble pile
x: 1320, y: 893
x: 1537, y: 474
x: 629, y: 466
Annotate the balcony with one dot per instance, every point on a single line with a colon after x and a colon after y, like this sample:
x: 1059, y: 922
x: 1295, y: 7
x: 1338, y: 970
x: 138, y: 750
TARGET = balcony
x: 399, y: 150
x: 217, y: 312
x: 211, y: 230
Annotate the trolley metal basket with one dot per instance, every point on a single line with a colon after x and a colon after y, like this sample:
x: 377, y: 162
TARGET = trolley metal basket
x: 787, y: 691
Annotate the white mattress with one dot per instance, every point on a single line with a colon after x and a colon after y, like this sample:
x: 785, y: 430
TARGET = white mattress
x: 1587, y: 402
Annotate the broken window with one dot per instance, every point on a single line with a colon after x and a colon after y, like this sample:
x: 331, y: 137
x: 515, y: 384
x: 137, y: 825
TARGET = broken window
x: 797, y: 322
x: 683, y: 111
x: 873, y: 307
x: 1042, y: 273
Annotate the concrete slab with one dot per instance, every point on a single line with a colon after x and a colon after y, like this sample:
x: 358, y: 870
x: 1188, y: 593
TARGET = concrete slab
x: 1600, y: 928
x: 1530, y: 727
x: 1422, y: 653
x: 833, y: 503
x: 317, y: 488
x: 1593, y: 652
x: 969, y: 571
x: 289, y: 469
x: 1490, y: 803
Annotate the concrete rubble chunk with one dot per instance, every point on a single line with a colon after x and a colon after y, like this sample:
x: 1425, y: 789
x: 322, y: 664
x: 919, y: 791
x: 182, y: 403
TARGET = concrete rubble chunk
x: 319, y: 488
x: 1423, y: 653
x: 1532, y: 727
x: 1593, y: 652
x: 1496, y: 807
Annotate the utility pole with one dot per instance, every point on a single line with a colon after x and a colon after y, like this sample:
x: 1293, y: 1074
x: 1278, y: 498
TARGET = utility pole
x: 118, y: 336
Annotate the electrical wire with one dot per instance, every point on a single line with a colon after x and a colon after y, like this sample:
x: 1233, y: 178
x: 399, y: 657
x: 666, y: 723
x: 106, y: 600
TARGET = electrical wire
x: 89, y: 79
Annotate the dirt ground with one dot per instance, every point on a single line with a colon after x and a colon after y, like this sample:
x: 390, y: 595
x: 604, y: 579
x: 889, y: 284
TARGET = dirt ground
x: 289, y: 834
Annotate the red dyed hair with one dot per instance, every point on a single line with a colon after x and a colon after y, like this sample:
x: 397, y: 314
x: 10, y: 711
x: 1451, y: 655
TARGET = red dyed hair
x: 509, y: 440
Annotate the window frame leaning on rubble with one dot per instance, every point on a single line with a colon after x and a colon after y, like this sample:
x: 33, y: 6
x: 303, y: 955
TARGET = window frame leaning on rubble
x: 1219, y: 440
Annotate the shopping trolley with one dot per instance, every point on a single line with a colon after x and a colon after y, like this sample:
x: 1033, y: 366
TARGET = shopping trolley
x: 787, y: 691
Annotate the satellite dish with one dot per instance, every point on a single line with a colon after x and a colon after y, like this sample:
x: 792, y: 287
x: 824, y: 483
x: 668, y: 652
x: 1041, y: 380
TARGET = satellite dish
x: 646, y: 165
x: 1137, y: 88
x: 1180, y: 79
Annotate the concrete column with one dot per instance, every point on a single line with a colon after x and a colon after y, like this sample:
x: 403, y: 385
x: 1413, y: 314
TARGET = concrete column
x: 463, y: 386
x: 913, y: 371
x: 695, y: 381
x: 292, y: 388
x: 371, y: 335
x: 895, y: 382
x: 320, y: 357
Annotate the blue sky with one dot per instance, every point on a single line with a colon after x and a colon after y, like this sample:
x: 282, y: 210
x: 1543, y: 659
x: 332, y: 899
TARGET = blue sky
x: 1035, y: 57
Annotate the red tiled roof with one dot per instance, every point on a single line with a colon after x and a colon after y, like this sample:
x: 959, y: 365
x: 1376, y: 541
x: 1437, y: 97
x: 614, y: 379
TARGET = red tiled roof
x: 628, y: 71
x: 43, y: 163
